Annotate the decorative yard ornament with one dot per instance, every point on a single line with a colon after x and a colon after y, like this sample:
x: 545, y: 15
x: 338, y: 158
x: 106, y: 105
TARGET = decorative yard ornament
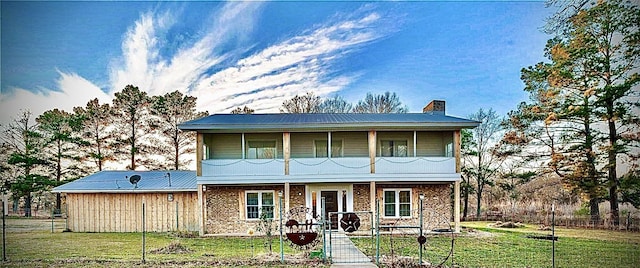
x: 302, y: 228
x: 350, y: 222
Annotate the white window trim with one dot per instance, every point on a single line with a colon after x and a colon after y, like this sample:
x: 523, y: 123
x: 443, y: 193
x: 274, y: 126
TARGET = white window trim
x: 246, y: 203
x: 394, y: 146
x: 397, y: 204
x: 315, y: 148
x: 275, y: 152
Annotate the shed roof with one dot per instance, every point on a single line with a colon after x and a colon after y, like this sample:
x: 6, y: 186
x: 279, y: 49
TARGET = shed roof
x: 118, y: 182
x: 339, y: 121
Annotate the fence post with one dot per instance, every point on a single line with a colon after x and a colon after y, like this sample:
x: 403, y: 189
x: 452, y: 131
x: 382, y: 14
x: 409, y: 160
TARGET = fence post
x: 324, y: 230
x: 421, y: 217
x: 377, y: 232
x: 53, y: 210
x: 553, y: 235
x: 4, y: 235
x: 281, y: 240
x: 143, y: 235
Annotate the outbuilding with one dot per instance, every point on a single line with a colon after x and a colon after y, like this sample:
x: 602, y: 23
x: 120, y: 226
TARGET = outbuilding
x: 114, y: 201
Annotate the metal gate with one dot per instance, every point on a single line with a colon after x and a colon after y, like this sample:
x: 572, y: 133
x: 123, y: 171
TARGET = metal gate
x: 353, y: 241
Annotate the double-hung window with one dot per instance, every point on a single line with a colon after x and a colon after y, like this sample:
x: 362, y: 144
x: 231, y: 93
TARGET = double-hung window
x: 321, y: 148
x: 397, y: 203
x: 258, y: 203
x: 393, y: 148
x: 261, y: 149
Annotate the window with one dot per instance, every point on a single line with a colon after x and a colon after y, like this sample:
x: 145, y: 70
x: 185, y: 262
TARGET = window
x: 258, y: 203
x: 448, y: 150
x: 390, y: 148
x: 321, y: 148
x: 261, y: 149
x: 397, y: 203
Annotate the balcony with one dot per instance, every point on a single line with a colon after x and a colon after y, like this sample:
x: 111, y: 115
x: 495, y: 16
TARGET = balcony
x: 328, y: 166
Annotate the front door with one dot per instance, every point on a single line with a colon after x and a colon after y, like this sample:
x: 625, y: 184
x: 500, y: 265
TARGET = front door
x: 331, y: 205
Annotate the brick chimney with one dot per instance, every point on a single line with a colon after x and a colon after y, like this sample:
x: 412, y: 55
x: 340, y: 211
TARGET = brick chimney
x: 434, y: 107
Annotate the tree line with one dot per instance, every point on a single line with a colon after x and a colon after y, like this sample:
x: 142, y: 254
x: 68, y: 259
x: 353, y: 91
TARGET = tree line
x: 135, y: 130
x: 582, y: 117
x: 60, y: 146
x: 580, y: 123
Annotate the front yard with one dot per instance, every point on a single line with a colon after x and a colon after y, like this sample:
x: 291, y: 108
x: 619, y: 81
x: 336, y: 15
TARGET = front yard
x: 30, y: 243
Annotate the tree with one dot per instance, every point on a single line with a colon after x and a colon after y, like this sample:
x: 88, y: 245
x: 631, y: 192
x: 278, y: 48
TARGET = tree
x: 383, y: 103
x: 465, y: 185
x: 26, y: 144
x: 96, y: 131
x: 170, y: 110
x: 131, y: 118
x: 605, y: 39
x: 59, y: 129
x: 245, y: 110
x: 479, y: 161
x: 335, y: 105
x: 308, y: 103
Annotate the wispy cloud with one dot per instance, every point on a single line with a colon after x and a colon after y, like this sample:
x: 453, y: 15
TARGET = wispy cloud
x: 263, y: 80
x: 143, y: 65
x: 299, y: 64
x: 72, y: 90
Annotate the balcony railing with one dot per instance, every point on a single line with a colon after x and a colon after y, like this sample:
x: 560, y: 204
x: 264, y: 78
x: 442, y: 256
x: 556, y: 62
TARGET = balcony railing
x: 319, y: 166
x: 415, y: 165
x: 328, y: 166
x: 242, y: 167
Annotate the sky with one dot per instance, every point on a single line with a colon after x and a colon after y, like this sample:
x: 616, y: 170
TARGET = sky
x: 259, y: 54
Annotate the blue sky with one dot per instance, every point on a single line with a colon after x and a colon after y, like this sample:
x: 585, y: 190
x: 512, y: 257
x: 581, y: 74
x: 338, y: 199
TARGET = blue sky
x: 229, y: 54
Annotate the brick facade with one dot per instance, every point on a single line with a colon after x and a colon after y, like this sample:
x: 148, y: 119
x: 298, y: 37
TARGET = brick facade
x: 436, y: 205
x: 225, y: 205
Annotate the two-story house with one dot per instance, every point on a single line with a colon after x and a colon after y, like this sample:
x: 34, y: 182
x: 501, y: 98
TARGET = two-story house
x: 351, y: 160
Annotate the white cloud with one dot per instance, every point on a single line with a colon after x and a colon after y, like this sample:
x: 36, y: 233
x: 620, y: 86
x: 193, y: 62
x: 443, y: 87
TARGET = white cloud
x: 72, y: 90
x: 263, y: 80
x: 143, y: 66
x: 297, y: 65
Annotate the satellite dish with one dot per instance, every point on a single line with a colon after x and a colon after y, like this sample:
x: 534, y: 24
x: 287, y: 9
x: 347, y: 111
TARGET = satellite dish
x: 134, y: 179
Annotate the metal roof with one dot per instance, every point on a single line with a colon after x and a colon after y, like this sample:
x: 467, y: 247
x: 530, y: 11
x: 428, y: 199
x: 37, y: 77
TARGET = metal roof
x: 309, y: 121
x: 118, y: 182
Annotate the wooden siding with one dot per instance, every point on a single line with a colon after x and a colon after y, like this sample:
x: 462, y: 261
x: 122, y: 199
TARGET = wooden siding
x: 396, y: 136
x: 122, y: 212
x: 432, y: 143
x: 355, y: 143
x: 267, y: 137
x: 223, y: 146
x: 303, y: 144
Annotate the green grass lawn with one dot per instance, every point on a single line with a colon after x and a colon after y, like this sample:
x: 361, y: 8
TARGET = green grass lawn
x: 30, y: 243
x: 483, y: 246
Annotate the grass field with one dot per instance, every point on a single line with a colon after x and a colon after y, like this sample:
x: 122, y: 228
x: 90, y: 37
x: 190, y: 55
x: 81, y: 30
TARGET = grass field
x: 30, y: 243
x: 483, y: 246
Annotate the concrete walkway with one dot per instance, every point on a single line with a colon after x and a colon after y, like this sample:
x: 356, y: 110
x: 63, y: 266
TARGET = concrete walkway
x: 345, y: 254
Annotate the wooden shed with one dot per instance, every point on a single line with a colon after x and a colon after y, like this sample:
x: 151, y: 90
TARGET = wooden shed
x: 112, y: 201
